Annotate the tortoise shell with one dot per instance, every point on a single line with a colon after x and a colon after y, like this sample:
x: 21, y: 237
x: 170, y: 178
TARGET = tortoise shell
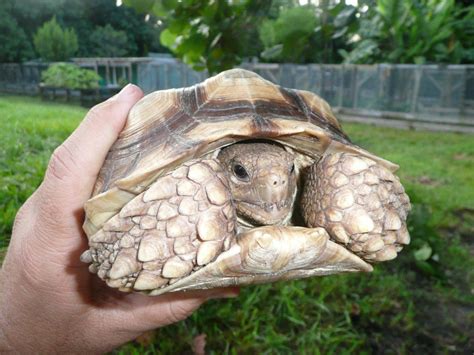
x: 167, y: 128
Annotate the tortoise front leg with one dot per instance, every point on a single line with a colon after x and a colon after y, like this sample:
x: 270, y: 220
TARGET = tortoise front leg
x: 180, y: 224
x: 361, y: 204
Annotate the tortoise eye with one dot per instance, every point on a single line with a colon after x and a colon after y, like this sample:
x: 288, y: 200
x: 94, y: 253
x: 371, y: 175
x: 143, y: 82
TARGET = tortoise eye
x: 240, y: 172
x: 292, y: 169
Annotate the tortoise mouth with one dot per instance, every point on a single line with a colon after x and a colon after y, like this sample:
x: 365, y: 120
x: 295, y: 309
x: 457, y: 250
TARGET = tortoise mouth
x: 265, y: 213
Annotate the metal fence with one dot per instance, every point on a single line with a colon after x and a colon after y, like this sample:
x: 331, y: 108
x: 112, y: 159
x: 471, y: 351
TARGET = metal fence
x: 429, y: 96
x: 21, y: 78
x: 424, y: 93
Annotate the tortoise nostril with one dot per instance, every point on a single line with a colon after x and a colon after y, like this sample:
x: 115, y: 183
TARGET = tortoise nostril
x: 278, y: 181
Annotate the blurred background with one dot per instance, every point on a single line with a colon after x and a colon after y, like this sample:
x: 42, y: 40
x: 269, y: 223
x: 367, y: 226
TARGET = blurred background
x: 400, y: 76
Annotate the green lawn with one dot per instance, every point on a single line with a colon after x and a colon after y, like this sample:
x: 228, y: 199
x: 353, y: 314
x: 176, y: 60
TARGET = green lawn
x: 422, y: 302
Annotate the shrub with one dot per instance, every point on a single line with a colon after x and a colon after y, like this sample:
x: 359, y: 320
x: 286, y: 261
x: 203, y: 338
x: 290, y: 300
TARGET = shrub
x: 108, y: 42
x: 55, y: 44
x: 67, y: 75
x: 406, y: 31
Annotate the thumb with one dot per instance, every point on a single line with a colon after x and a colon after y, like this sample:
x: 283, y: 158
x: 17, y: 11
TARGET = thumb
x: 75, y: 164
x: 73, y: 169
x: 142, y: 313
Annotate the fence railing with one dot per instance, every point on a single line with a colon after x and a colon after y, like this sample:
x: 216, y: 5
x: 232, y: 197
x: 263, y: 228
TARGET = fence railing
x: 413, y: 93
x: 428, y: 92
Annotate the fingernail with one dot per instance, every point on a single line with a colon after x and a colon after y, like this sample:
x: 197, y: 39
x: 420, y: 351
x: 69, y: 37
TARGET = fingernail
x: 231, y: 292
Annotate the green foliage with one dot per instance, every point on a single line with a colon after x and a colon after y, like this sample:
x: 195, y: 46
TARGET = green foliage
x: 67, y: 75
x: 15, y: 46
x: 140, y: 34
x: 213, y: 35
x: 84, y: 16
x: 306, y: 34
x: 55, y: 44
x: 108, y: 42
x: 406, y: 31
x: 464, y: 31
x: 287, y: 37
x: 220, y: 34
x: 402, y: 307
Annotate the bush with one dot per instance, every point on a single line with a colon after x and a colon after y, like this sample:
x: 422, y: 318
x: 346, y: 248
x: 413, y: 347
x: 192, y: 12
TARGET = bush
x: 308, y: 34
x: 55, y: 44
x: 67, y: 75
x: 420, y: 32
x: 108, y: 42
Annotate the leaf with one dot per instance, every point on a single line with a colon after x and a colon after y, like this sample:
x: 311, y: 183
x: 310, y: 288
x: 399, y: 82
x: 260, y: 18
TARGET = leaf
x: 272, y: 52
x: 193, y: 46
x: 427, y: 268
x: 343, y: 18
x: 423, y: 253
x: 169, y: 4
x: 158, y: 10
x: 142, y: 6
x: 340, y: 33
x: 168, y: 39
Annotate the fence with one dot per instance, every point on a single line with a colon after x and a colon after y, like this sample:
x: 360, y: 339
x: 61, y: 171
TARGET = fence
x: 418, y: 96
x: 25, y: 78
x: 427, y: 96
x: 21, y: 78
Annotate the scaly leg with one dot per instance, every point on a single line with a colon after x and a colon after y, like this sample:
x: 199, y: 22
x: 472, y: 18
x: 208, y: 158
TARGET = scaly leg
x: 181, y: 223
x: 361, y: 204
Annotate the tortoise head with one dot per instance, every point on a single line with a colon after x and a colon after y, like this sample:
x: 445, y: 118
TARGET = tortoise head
x: 262, y: 181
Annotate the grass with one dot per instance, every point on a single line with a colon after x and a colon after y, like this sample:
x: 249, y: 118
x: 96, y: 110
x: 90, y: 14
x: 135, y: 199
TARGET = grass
x: 421, y: 302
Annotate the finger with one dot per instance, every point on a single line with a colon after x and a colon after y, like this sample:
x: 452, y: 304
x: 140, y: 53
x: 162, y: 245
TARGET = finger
x: 142, y: 313
x: 74, y: 166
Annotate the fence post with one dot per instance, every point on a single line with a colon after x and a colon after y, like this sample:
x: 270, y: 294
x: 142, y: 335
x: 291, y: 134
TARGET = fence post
x: 416, y: 89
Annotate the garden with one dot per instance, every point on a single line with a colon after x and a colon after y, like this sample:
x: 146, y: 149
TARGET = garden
x: 421, y: 302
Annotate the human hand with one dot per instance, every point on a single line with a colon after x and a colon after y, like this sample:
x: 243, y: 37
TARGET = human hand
x: 49, y: 302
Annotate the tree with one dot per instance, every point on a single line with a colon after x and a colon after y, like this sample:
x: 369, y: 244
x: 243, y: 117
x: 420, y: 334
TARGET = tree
x: 84, y: 16
x: 108, y: 42
x: 140, y: 33
x: 213, y: 35
x: 15, y: 44
x: 55, y: 44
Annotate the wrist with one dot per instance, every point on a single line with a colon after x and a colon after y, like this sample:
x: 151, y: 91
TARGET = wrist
x: 5, y: 345
x: 18, y: 333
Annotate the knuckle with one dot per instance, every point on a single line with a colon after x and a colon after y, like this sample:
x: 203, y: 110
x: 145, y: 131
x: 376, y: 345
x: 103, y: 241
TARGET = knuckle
x: 177, y: 311
x: 102, y: 112
x: 23, y: 215
x: 99, y: 111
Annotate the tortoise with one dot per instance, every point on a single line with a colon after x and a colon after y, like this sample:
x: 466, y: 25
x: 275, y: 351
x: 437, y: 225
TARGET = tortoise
x: 238, y: 181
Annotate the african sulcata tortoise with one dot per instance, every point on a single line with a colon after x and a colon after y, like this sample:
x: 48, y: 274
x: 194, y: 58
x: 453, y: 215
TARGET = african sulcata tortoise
x: 238, y: 181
